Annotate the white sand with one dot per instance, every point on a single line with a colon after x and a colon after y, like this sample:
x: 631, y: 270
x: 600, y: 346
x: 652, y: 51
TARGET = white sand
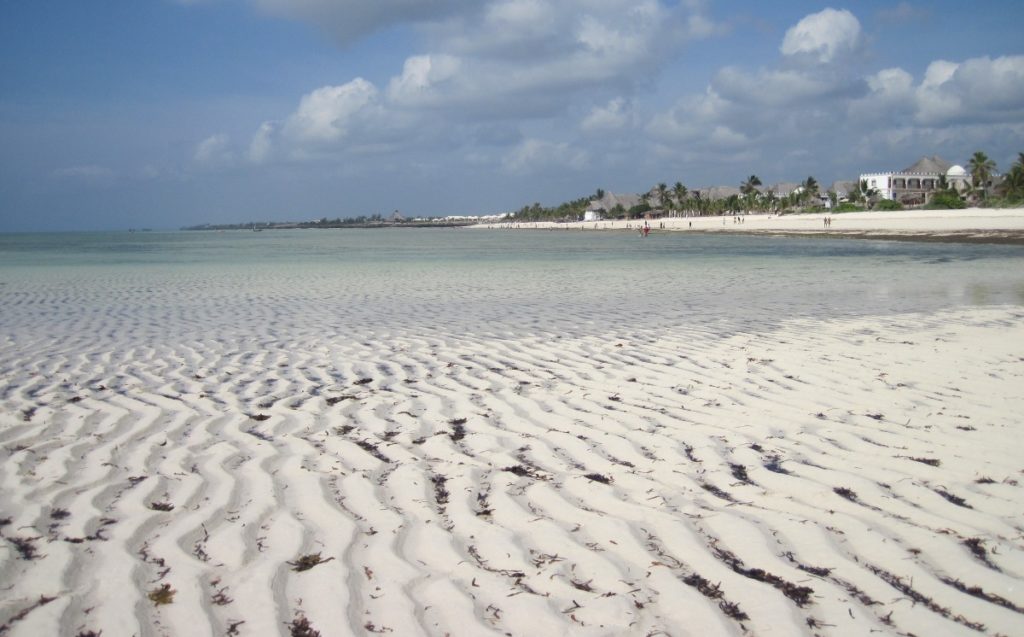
x: 972, y: 223
x: 861, y: 459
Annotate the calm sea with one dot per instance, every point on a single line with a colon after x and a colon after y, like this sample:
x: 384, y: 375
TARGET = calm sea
x: 487, y: 282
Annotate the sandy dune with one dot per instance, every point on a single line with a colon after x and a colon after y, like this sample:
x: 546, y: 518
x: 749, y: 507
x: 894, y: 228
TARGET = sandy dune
x: 837, y: 478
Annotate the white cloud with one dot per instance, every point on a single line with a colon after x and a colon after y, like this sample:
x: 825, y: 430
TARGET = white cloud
x: 329, y: 113
x: 262, y: 144
x: 533, y: 57
x: 214, y: 150
x: 782, y: 87
x: 536, y: 155
x: 977, y: 90
x: 615, y: 115
x: 823, y: 36
x: 421, y: 75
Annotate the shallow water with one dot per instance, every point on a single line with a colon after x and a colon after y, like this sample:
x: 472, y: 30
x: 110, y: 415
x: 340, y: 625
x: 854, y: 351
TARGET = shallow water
x: 190, y: 284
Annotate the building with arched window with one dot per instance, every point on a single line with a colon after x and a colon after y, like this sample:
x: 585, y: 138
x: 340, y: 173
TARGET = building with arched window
x: 913, y: 185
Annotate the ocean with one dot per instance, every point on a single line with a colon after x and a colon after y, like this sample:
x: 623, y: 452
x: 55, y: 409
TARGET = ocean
x: 487, y: 282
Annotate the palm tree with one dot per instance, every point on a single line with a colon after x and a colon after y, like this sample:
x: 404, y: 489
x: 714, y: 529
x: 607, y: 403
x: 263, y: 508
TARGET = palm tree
x: 1014, y: 183
x: 810, y: 189
x: 663, y: 195
x: 749, y: 187
x: 981, y: 169
x: 698, y: 202
x: 679, y: 190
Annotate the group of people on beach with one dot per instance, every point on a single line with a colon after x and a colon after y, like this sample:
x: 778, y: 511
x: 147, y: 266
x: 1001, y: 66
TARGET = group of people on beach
x: 827, y: 221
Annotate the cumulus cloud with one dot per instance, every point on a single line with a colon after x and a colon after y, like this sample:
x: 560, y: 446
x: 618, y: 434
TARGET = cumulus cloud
x: 329, y: 113
x: 779, y: 87
x: 215, y: 150
x: 484, y: 63
x: 531, y: 57
x: 422, y: 78
x: 706, y: 121
x: 824, y: 36
x: 535, y: 155
x: 262, y: 145
x: 974, y: 91
x: 615, y: 115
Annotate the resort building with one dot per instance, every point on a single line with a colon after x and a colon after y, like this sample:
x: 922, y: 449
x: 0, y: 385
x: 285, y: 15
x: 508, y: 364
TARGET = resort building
x: 914, y: 184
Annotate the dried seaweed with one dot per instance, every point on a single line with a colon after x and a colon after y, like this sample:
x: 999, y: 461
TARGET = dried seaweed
x: 717, y: 492
x: 25, y: 547
x: 801, y: 595
x: 597, y: 477
x: 308, y: 561
x: 372, y: 449
x: 849, y: 494
x: 977, y: 548
x: 774, y: 464
x: 300, y: 627
x: 458, y: 429
x: 976, y: 591
x: 740, y: 473
x: 932, y: 462
x: 23, y: 613
x: 917, y: 597
x: 955, y: 499
x: 703, y: 586
x: 440, y: 492
x: 162, y: 594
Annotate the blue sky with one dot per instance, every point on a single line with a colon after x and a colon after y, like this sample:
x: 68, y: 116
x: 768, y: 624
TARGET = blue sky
x: 163, y: 113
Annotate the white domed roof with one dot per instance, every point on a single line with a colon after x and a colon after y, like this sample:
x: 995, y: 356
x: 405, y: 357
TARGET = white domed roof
x: 956, y: 171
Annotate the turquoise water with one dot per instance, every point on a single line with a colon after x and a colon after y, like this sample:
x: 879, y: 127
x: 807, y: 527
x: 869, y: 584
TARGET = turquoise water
x: 499, y: 282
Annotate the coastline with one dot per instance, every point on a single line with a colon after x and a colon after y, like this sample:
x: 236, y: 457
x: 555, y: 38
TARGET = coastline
x: 971, y: 225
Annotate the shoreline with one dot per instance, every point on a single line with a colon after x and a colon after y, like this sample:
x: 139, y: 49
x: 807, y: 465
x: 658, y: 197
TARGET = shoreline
x: 971, y: 225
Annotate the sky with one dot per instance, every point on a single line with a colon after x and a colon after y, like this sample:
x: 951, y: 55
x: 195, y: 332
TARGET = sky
x: 119, y: 114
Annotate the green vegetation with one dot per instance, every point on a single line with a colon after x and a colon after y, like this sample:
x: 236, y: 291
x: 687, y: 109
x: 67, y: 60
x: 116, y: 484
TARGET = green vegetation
x: 569, y: 211
x: 990, y: 190
x: 946, y: 200
x: 888, y: 204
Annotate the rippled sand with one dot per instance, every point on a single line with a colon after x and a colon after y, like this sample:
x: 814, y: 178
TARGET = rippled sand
x: 228, y: 465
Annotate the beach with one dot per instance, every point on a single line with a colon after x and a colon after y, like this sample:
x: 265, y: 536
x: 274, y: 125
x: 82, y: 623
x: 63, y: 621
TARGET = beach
x: 713, y: 436
x: 984, y: 225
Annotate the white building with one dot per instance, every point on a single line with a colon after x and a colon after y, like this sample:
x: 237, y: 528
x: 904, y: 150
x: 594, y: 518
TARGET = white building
x: 914, y: 184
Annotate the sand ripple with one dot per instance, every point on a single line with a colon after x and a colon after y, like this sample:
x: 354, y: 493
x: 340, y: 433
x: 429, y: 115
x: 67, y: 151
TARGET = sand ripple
x: 828, y: 478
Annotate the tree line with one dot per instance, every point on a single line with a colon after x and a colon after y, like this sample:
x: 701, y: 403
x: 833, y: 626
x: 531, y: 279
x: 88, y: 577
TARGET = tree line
x: 678, y: 200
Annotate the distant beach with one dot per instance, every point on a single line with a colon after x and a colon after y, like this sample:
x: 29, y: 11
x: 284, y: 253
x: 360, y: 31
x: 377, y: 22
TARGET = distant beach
x: 440, y: 432
x: 984, y: 225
